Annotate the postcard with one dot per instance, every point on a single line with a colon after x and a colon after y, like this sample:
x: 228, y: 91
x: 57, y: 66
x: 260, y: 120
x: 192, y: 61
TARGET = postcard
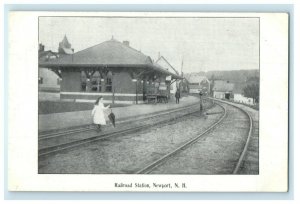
x: 148, y: 101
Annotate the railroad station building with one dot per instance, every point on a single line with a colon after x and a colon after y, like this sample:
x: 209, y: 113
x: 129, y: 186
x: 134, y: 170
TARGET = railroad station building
x: 113, y: 70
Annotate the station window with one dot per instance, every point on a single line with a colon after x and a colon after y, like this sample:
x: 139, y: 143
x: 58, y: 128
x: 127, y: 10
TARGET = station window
x: 108, y: 87
x: 83, y: 85
x: 96, y: 84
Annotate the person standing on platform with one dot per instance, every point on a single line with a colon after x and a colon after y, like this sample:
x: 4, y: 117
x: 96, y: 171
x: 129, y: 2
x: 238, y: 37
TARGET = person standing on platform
x: 177, y: 96
x: 98, y: 113
x: 201, y: 101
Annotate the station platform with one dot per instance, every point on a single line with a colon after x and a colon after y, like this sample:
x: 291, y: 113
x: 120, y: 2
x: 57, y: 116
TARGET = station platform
x: 57, y: 121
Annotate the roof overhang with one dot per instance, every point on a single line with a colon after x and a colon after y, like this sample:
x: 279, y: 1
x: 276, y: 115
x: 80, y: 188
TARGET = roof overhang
x: 109, y: 66
x: 174, y: 76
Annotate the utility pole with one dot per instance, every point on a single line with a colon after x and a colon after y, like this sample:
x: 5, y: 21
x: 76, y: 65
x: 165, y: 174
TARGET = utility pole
x: 72, y: 54
x: 113, y: 87
x: 136, y: 92
x: 181, y: 74
x: 201, y: 102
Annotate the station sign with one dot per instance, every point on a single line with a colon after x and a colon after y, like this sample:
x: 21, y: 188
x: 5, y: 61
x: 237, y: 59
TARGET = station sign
x: 169, y: 78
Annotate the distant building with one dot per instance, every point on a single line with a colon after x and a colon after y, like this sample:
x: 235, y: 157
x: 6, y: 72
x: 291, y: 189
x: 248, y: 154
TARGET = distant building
x: 223, y: 89
x: 65, y: 48
x: 198, y: 83
x: 48, y: 80
x: 161, y: 61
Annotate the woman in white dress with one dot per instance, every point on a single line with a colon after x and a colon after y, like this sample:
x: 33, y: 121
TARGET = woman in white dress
x: 98, y: 113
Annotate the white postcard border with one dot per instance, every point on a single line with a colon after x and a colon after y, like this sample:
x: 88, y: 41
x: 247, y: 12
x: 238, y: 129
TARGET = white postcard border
x: 22, y: 109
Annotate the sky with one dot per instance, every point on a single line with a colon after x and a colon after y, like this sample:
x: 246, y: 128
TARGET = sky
x: 202, y: 44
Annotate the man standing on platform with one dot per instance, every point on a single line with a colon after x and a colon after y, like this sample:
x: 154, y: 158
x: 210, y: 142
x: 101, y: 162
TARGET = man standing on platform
x: 177, y: 96
x: 201, y: 102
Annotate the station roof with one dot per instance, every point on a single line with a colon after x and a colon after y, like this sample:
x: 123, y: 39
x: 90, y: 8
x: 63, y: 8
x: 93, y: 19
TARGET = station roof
x: 166, y: 65
x: 161, y: 69
x: 111, y: 53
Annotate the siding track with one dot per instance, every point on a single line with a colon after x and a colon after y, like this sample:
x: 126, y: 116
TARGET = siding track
x: 215, y: 143
x: 159, y: 162
x: 56, y: 142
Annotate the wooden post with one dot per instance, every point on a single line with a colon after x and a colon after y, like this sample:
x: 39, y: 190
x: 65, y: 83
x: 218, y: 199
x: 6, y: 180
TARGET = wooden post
x: 113, y: 96
x: 135, y: 81
x: 136, y: 92
x: 113, y: 88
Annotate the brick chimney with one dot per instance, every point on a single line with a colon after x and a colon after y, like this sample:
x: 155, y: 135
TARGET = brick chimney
x: 126, y: 42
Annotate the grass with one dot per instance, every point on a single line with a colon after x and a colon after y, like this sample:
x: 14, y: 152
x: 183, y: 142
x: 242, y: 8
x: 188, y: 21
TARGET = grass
x: 255, y: 107
x: 48, y: 107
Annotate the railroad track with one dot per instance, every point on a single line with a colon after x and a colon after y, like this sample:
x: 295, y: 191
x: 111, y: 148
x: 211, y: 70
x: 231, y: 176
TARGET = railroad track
x: 159, y: 162
x: 71, y: 144
x: 44, y: 136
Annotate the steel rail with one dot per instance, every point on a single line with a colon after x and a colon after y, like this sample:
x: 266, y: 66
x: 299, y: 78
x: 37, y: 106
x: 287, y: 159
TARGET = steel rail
x: 160, y: 161
x: 242, y: 156
x: 79, y: 130
x: 68, y: 145
x: 238, y: 166
x: 65, y: 146
x: 149, y: 168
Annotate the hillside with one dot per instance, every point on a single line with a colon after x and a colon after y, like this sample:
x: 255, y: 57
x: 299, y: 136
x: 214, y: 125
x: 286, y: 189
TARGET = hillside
x: 234, y: 76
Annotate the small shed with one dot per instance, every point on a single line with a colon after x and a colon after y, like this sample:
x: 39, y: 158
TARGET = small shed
x: 223, y: 89
x: 197, y: 83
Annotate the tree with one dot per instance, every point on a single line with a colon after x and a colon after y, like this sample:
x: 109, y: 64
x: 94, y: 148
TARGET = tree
x: 252, y: 91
